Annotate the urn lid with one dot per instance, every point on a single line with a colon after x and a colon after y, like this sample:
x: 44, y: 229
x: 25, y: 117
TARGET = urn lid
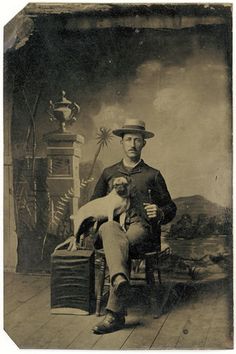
x: 64, y: 100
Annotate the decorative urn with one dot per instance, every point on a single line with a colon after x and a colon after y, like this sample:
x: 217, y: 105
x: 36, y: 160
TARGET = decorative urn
x: 64, y: 111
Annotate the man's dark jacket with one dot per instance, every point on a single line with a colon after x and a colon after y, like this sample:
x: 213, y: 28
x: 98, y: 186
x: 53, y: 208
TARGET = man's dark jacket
x: 148, y: 184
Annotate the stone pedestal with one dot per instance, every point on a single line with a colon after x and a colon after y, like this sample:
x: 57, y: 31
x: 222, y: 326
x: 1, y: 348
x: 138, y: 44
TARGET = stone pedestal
x: 63, y: 152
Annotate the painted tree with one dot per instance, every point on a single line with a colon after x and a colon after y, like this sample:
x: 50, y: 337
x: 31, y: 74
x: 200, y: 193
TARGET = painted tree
x: 104, y: 137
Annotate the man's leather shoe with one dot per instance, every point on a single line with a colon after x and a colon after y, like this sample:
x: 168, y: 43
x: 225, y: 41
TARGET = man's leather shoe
x: 121, y: 285
x: 111, y: 323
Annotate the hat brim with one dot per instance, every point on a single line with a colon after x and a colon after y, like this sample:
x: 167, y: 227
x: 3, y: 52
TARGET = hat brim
x: 120, y: 132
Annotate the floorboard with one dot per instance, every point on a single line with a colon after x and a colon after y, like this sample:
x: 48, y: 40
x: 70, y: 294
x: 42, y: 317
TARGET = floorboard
x: 68, y: 333
x: 48, y: 331
x: 168, y: 335
x: 180, y: 319
x: 220, y: 334
x: 145, y: 333
x: 200, y: 321
x: 196, y: 327
x: 8, y: 278
x: 37, y: 305
x: 219, y: 337
x: 85, y: 338
x: 22, y: 290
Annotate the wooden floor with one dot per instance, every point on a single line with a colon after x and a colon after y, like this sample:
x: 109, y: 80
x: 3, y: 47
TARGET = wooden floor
x: 199, y: 320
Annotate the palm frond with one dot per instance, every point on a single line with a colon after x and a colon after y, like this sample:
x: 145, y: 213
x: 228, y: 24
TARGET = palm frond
x: 104, y: 136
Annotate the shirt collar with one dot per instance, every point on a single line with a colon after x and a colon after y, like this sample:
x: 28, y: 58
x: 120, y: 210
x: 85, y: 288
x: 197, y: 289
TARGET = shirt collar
x: 130, y: 167
x: 137, y: 168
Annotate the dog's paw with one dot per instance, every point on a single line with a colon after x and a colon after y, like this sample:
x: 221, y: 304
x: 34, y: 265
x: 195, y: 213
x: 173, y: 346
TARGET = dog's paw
x: 61, y: 245
x: 72, y: 243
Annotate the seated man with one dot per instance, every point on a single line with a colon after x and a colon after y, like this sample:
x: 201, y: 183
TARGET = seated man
x: 151, y: 206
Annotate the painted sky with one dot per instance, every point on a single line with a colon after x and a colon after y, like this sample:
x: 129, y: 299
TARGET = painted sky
x: 176, y: 81
x: 188, y: 109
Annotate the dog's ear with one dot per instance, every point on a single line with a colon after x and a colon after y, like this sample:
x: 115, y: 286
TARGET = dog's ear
x: 110, y: 185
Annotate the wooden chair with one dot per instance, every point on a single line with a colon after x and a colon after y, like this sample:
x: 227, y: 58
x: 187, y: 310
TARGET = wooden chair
x: 152, y: 262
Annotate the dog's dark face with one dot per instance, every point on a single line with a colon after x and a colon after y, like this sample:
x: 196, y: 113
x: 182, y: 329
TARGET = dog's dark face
x: 121, y: 186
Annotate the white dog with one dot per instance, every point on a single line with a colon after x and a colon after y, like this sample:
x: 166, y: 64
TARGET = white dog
x: 116, y: 203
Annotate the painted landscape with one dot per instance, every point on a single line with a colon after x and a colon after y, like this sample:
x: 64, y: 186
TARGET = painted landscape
x: 198, y: 217
x: 200, y: 239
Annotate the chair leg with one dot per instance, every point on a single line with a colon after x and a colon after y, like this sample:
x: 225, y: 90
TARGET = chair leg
x: 152, y: 287
x: 100, y: 286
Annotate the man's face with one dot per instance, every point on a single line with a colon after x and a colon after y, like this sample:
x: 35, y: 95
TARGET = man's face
x: 133, y: 145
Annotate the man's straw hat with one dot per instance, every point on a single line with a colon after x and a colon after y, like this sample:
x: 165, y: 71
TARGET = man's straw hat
x: 133, y: 126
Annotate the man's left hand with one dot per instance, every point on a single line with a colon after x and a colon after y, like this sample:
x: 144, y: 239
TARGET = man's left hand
x: 153, y: 212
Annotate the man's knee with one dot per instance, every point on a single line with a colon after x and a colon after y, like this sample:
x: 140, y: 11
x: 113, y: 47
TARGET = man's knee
x: 113, y: 231
x: 109, y: 227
